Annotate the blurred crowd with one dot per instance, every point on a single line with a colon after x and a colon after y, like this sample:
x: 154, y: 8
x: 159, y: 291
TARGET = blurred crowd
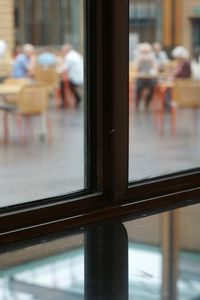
x: 151, y: 62
x: 67, y: 62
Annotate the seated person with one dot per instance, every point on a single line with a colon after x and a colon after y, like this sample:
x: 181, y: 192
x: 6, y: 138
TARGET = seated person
x: 3, y: 50
x: 183, y: 68
x: 73, y: 69
x: 160, y: 56
x: 5, y: 60
x: 146, y: 67
x: 24, y: 63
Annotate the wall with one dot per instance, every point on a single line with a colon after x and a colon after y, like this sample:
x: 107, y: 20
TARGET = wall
x: 7, y: 22
x: 187, y: 8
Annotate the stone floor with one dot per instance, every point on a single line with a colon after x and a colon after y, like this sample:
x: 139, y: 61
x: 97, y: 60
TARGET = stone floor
x: 38, y: 170
x: 153, y: 154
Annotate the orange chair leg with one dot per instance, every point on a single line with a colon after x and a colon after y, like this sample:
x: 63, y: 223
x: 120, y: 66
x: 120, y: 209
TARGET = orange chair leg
x: 66, y: 86
x: 173, y: 120
x: 162, y: 111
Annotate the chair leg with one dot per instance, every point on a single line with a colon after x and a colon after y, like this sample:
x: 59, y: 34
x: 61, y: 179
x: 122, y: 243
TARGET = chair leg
x: 158, y: 109
x: 66, y: 87
x: 20, y: 128
x: 29, y: 126
x: 173, y: 120
x: 49, y: 128
x: 57, y: 96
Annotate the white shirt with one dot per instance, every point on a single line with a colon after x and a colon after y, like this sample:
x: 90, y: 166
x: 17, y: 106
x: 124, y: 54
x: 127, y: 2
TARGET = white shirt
x: 3, y: 48
x: 195, y: 66
x: 161, y: 58
x: 74, y: 67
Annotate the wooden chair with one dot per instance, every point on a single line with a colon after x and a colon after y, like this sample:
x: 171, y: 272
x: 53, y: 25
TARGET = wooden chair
x: 50, y: 77
x: 47, y: 75
x: 185, y: 94
x: 15, y: 81
x: 32, y: 102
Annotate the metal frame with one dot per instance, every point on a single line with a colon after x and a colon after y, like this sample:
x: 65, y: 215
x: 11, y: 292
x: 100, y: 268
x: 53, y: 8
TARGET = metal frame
x: 108, y: 195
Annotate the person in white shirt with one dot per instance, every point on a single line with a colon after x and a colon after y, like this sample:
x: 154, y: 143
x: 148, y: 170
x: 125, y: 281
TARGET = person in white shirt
x: 147, y: 71
x: 160, y: 56
x: 73, y: 66
x: 3, y: 49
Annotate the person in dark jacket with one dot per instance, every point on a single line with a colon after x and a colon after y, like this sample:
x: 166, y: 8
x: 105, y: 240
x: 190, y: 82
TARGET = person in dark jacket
x: 183, y: 68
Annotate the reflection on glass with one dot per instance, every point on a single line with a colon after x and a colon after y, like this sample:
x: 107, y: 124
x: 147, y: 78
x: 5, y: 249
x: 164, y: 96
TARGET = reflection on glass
x: 164, y: 86
x: 145, y: 258
x: 41, y: 99
x: 50, y: 271
x: 164, y: 256
x: 189, y: 253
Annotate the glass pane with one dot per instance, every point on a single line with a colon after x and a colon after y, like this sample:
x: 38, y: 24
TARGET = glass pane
x: 164, y: 256
x: 189, y: 253
x: 145, y: 258
x: 164, y: 87
x: 51, y: 270
x: 41, y: 99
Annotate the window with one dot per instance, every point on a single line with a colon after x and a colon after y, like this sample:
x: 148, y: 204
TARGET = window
x: 33, y: 22
x: 163, y: 112
x: 109, y: 197
x: 42, y: 153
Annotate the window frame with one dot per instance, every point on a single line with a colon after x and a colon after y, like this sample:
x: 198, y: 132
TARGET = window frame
x: 108, y: 195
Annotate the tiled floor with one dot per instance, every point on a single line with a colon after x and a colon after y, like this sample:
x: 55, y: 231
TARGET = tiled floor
x: 38, y: 170
x: 153, y: 154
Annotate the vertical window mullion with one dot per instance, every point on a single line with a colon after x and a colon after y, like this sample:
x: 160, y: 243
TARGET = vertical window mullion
x: 115, y: 23
x: 106, y: 250
x: 107, y: 97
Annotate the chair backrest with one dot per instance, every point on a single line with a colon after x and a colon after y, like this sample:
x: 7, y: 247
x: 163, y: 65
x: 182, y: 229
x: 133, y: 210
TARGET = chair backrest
x: 33, y: 99
x: 46, y: 75
x: 186, y: 92
x: 21, y: 82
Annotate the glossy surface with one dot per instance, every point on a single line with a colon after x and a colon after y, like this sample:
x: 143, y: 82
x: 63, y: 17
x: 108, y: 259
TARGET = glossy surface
x: 42, y: 158
x: 163, y: 255
x: 47, y: 271
x: 163, y: 137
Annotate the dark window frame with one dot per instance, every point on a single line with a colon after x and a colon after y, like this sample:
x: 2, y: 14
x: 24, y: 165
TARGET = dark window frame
x: 108, y: 195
